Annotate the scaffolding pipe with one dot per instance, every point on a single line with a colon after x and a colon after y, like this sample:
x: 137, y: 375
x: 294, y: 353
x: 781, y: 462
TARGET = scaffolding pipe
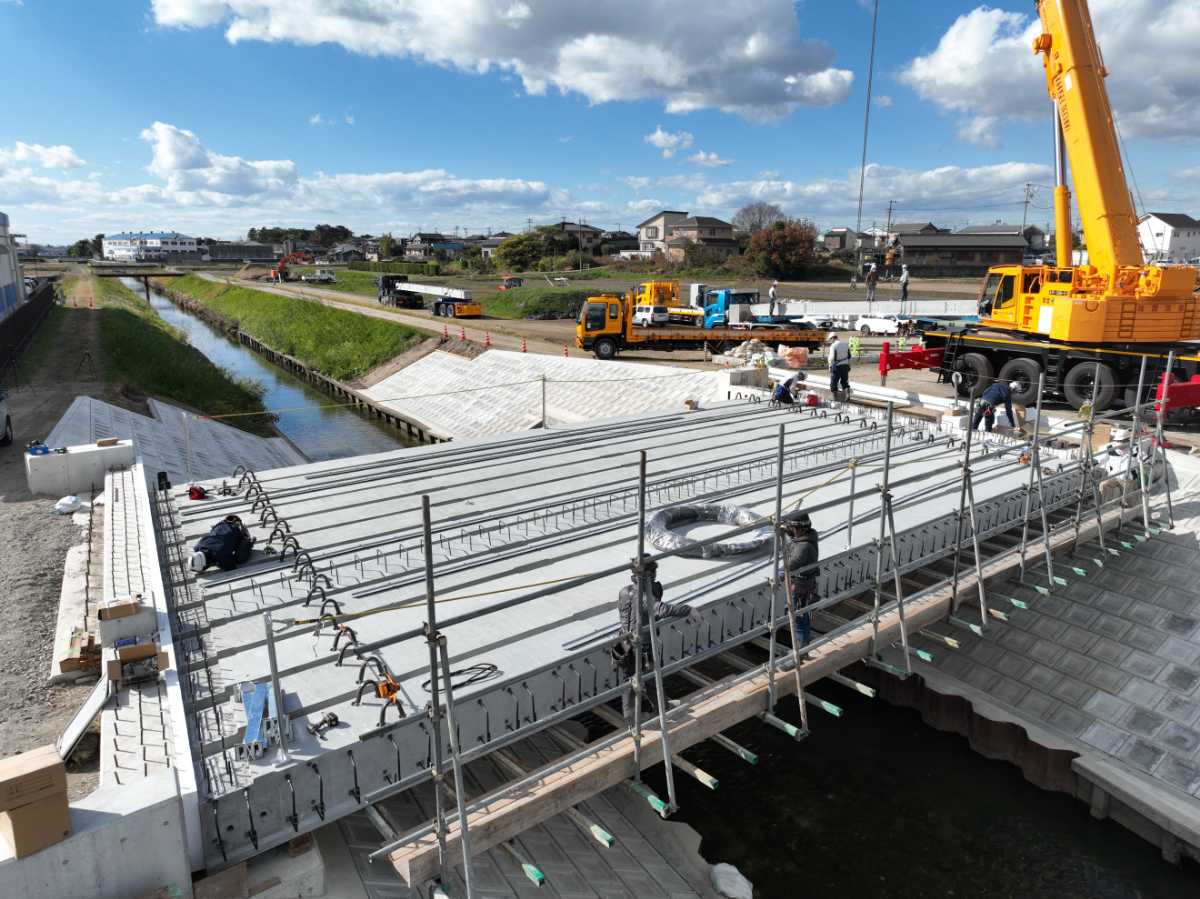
x: 776, y: 559
x: 646, y: 598
x: 459, y: 792
x: 1159, y: 440
x: 1134, y: 446
x: 1033, y: 465
x: 962, y: 501
x: 435, y: 713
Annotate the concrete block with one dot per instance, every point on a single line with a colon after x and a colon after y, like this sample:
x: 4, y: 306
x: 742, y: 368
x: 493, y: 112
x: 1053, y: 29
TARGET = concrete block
x: 1106, y: 707
x: 1009, y: 691
x: 1106, y: 678
x: 1143, y: 665
x: 1042, y: 677
x: 79, y: 470
x: 1072, y: 691
x: 1180, y: 625
x: 1143, y: 722
x: 1038, y: 704
x: 1076, y: 638
x: 1178, y: 650
x: 123, y: 843
x: 1179, y: 773
x: 1180, y: 679
x: 1110, y: 626
x: 1182, y: 739
x: 1109, y: 651
x: 1142, y: 692
x: 1112, y: 603
x: 1178, y: 709
x: 1141, y: 754
x: 1069, y: 720
x: 1104, y: 737
x: 1073, y: 663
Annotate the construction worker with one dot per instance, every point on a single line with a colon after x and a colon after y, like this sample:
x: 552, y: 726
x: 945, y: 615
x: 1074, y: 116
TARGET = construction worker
x: 227, y: 545
x: 992, y: 397
x: 839, y: 365
x: 773, y: 296
x: 872, y: 282
x: 903, y: 283
x: 623, y: 649
x: 799, y: 558
x: 785, y: 391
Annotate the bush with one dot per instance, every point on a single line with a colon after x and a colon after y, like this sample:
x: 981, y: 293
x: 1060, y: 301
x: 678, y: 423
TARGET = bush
x: 783, y: 250
x: 537, y: 302
x: 397, y: 268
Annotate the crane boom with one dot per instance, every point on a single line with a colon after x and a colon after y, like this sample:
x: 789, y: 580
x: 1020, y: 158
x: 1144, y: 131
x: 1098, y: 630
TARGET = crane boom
x: 1075, y: 76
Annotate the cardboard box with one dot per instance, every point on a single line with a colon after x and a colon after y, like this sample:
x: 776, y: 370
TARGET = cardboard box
x: 31, y: 828
x: 119, y: 608
x: 31, y: 776
x: 137, y: 648
x: 114, y: 668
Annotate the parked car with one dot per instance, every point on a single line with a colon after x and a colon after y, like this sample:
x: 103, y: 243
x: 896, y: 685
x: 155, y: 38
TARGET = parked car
x: 318, y: 278
x: 511, y: 283
x: 878, y: 324
x: 6, y: 435
x: 824, y: 322
x: 644, y: 316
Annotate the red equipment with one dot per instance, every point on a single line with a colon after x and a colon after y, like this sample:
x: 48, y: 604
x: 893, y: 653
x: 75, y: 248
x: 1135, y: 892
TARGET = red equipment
x: 280, y: 271
x: 914, y: 358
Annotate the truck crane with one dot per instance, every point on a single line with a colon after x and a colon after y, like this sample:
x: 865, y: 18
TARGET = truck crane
x: 1061, y: 320
x: 279, y: 273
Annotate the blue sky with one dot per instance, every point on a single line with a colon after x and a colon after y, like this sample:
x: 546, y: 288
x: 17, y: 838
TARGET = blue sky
x: 212, y: 116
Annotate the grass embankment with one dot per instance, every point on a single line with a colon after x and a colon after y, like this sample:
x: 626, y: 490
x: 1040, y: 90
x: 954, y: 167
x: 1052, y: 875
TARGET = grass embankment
x: 536, y: 302
x: 363, y: 283
x: 138, y: 353
x: 344, y: 345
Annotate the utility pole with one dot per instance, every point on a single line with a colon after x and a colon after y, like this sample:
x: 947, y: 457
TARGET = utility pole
x: 1028, y: 199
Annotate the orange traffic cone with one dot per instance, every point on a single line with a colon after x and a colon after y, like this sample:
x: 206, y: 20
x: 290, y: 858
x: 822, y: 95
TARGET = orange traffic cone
x: 564, y: 349
x: 445, y: 332
x: 462, y: 333
x: 487, y: 339
x: 523, y: 349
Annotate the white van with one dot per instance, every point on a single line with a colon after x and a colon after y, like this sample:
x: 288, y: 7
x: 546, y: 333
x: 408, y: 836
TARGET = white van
x: 645, y: 316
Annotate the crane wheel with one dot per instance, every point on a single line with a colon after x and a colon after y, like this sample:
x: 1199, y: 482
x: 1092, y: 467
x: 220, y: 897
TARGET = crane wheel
x: 1025, y: 372
x: 1077, y: 385
x: 977, y: 373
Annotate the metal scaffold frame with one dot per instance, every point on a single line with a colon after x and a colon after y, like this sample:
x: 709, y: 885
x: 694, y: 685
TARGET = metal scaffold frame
x: 725, y: 625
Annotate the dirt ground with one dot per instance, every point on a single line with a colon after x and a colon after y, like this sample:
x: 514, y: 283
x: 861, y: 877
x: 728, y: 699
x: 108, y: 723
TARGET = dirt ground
x: 32, y: 712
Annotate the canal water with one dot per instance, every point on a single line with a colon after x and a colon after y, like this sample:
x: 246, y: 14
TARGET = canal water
x: 307, y: 417
x: 877, y: 803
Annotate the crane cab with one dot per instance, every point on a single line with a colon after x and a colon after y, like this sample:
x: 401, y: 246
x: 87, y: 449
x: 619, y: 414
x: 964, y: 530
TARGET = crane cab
x: 1022, y: 297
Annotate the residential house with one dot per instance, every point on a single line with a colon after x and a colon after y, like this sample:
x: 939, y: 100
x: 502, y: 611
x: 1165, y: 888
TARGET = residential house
x: 965, y: 255
x: 489, y: 244
x: 1035, y: 237
x: 710, y: 233
x: 587, y: 237
x: 654, y: 232
x: 345, y: 252
x: 1171, y: 236
x: 900, y: 229
x: 420, y: 246
x: 838, y: 239
x: 614, y: 242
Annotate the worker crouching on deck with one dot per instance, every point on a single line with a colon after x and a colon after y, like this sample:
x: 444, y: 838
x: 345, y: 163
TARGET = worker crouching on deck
x: 999, y: 394
x: 800, y: 557
x: 623, y: 650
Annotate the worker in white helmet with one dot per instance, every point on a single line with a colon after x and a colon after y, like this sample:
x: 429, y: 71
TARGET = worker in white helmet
x: 992, y: 397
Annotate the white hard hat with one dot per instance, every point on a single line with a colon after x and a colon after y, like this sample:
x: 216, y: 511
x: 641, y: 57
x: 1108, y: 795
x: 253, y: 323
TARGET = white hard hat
x: 198, y: 562
x: 831, y: 338
x: 1014, y: 385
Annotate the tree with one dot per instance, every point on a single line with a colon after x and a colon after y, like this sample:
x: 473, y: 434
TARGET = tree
x: 521, y: 252
x: 98, y: 245
x: 784, y: 249
x: 756, y: 216
x: 386, y: 246
x: 81, y: 249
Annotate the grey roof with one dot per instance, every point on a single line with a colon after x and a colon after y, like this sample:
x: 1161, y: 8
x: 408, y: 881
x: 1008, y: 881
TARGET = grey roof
x: 997, y: 228
x: 911, y: 227
x: 1174, y: 219
x: 661, y: 212
x: 703, y: 221
x: 575, y: 226
x: 990, y: 241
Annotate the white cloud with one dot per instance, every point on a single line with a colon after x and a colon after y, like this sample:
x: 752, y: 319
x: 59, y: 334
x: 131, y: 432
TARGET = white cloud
x: 635, y: 182
x: 348, y: 118
x: 981, y: 130
x: 746, y: 58
x: 317, y: 119
x: 984, y: 66
x: 708, y: 160
x: 186, y: 167
x: 938, y: 193
x: 768, y: 173
x: 670, y: 142
x: 883, y: 100
x: 59, y: 156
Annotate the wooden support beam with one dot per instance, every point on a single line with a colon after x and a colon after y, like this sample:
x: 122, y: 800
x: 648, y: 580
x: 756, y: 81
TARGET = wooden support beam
x: 506, y: 812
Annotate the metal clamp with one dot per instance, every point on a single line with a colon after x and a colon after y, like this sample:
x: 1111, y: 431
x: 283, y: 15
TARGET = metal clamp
x: 319, y: 803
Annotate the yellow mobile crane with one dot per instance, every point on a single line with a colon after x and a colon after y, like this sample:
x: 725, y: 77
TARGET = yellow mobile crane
x: 1051, y: 319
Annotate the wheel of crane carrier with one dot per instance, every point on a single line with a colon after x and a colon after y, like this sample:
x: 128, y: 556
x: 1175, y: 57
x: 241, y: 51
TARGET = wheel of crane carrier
x: 1079, y: 382
x: 977, y: 373
x: 1025, y: 372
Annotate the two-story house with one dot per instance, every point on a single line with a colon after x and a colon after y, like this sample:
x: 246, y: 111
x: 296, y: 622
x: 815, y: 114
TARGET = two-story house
x: 1171, y: 236
x: 655, y: 231
x: 710, y: 233
x: 587, y: 237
